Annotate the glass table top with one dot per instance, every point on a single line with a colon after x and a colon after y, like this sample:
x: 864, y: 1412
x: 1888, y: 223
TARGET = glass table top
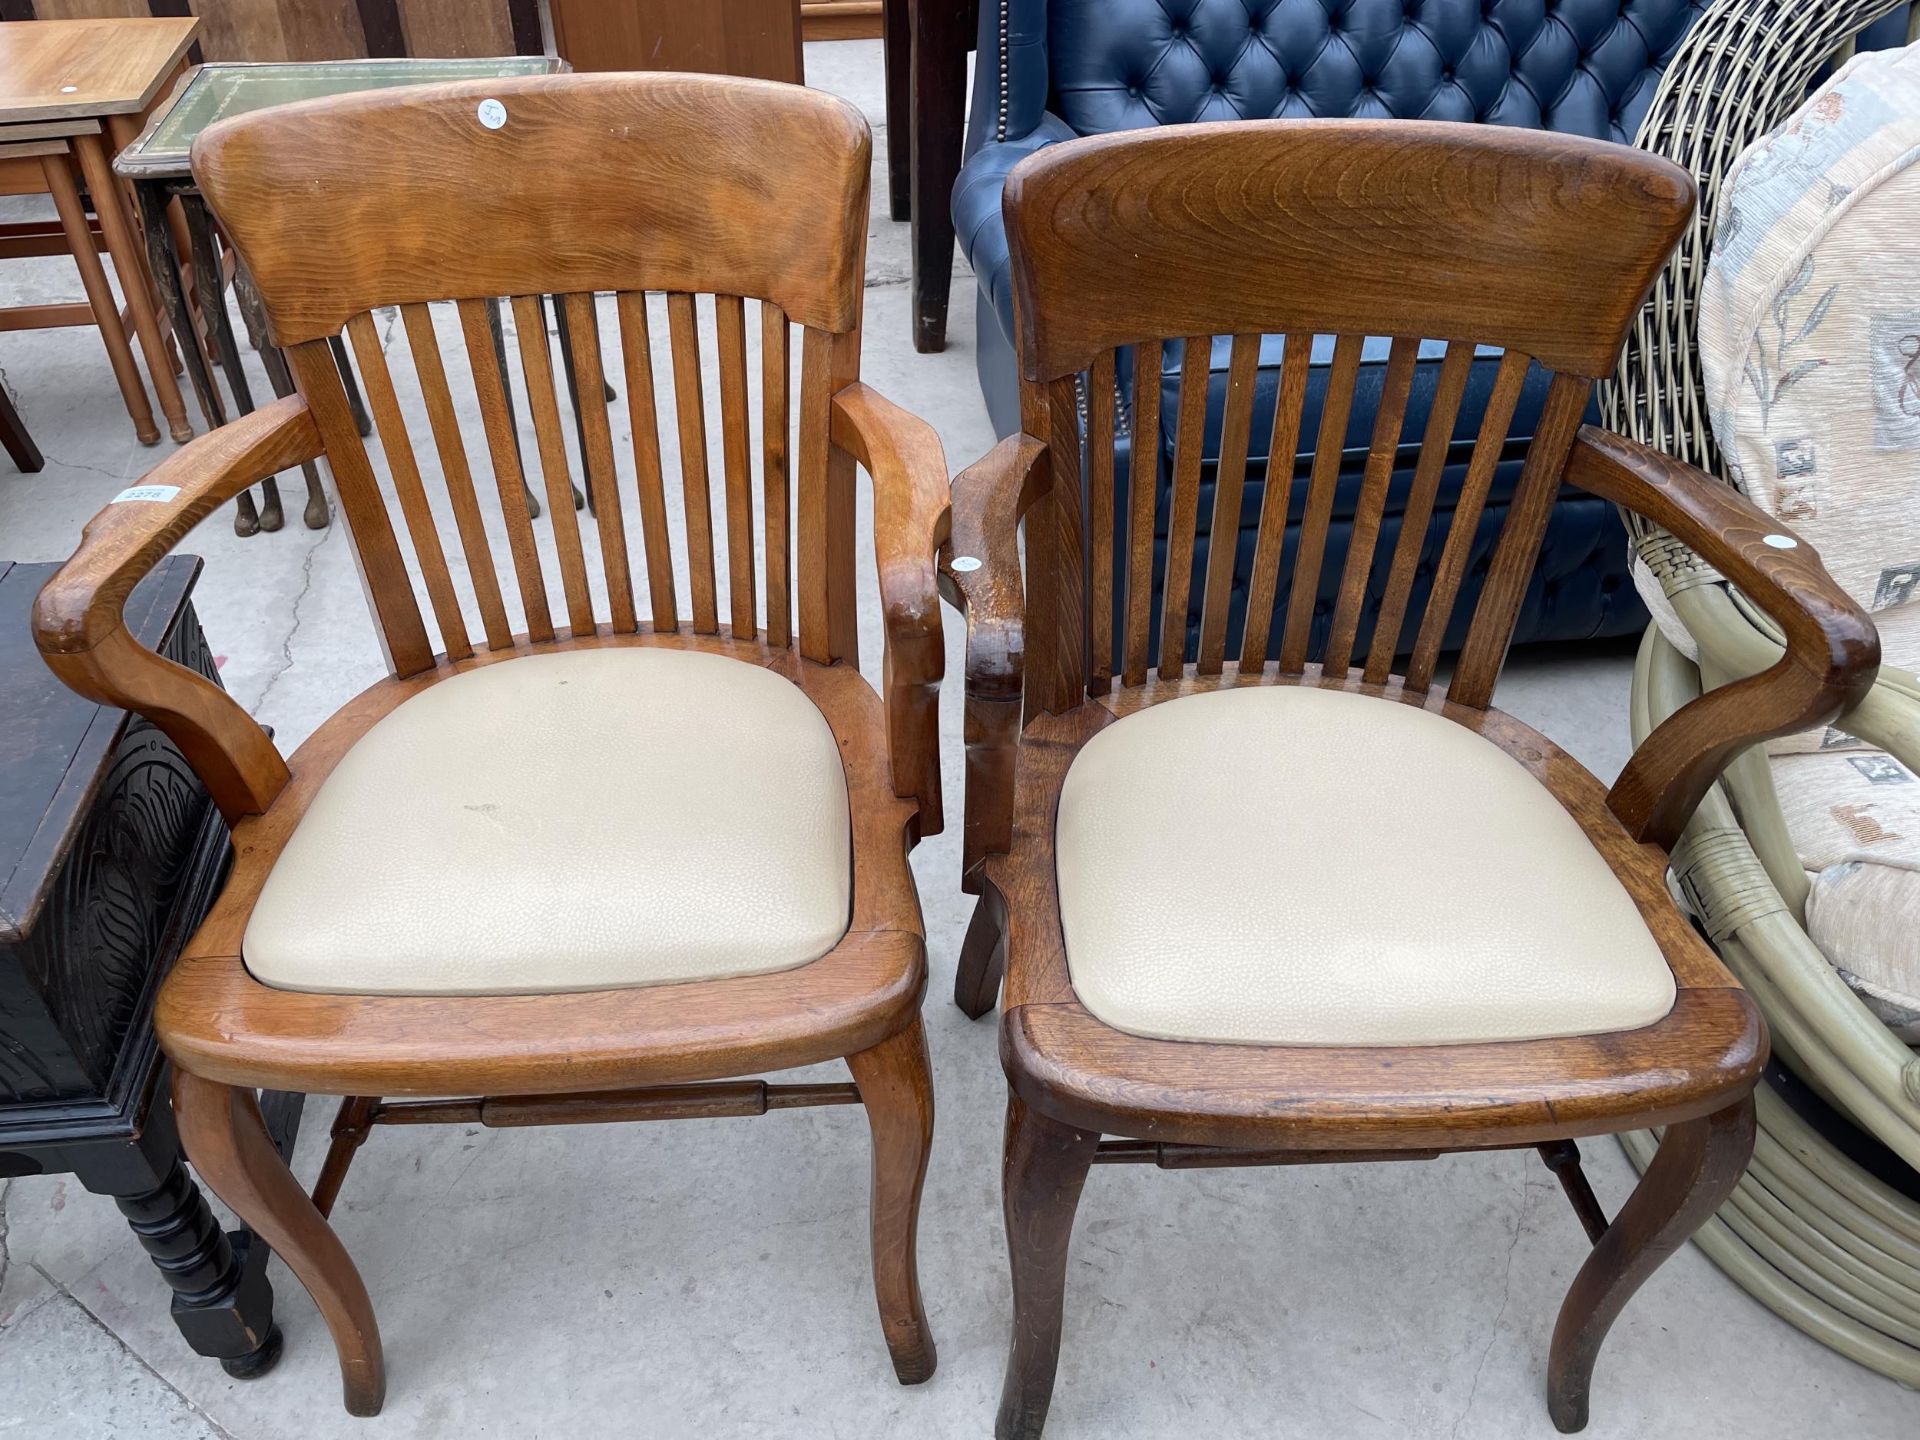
x: 215, y: 91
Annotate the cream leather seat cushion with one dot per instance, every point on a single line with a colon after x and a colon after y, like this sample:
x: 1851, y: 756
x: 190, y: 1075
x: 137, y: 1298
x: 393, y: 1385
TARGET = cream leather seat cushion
x: 1291, y: 866
x: 576, y: 821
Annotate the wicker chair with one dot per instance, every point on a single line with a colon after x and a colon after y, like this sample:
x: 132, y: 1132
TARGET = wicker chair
x: 1810, y: 1232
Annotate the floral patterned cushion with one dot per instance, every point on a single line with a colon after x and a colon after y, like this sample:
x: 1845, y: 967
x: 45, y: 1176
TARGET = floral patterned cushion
x: 1810, y: 326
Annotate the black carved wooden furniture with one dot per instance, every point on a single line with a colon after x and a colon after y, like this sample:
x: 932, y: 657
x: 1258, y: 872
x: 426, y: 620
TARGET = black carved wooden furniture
x: 110, y: 853
x: 1325, y: 907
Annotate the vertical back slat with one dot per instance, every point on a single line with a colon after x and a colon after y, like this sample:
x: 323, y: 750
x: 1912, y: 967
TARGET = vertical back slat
x: 1184, y: 516
x: 636, y: 357
x: 432, y: 370
x: 1282, y: 447
x: 776, y: 417
x: 1069, y: 540
x: 1515, y: 557
x: 603, y: 480
x: 1230, y: 479
x: 1418, y: 513
x: 1365, y: 533
x: 730, y: 315
x: 489, y: 386
x: 843, y: 474
x: 1327, y: 448
x: 1100, y: 423
x: 403, y: 634
x: 810, y: 521
x: 398, y: 445
x: 1143, y: 486
x: 684, y: 336
x: 536, y: 364
x: 1447, y: 576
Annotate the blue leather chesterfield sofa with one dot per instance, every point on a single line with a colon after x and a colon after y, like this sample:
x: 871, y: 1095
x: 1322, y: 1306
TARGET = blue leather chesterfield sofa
x: 1049, y: 70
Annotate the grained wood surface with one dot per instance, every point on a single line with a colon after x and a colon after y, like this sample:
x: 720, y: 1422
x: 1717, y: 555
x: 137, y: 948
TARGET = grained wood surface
x: 1519, y: 238
x: 383, y: 179
x: 1832, y: 652
x: 57, y: 69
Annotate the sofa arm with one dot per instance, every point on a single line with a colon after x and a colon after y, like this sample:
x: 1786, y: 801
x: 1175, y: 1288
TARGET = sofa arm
x: 1832, y: 650
x: 980, y: 575
x: 82, y: 635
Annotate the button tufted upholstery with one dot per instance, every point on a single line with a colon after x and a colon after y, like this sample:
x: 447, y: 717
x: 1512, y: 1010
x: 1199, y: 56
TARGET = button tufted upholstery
x: 1586, y: 67
x: 1052, y: 69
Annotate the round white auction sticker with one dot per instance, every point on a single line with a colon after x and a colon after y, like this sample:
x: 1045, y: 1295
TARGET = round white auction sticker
x: 492, y: 114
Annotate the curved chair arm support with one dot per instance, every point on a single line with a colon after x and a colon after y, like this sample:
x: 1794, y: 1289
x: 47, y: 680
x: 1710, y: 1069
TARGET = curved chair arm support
x: 1736, y: 639
x: 1811, y: 1013
x: 980, y: 575
x: 1832, y: 649
x: 910, y: 518
x: 82, y: 634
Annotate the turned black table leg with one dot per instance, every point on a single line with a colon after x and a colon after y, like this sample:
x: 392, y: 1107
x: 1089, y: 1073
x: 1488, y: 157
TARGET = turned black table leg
x: 222, y: 1300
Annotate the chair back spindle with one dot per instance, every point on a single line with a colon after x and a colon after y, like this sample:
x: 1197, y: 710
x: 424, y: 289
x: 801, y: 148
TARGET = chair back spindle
x: 1446, y: 242
x: 348, y: 209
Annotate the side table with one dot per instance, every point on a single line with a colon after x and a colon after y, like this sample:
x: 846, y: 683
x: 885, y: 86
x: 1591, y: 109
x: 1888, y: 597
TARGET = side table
x: 105, y: 70
x: 158, y: 163
x: 110, y: 854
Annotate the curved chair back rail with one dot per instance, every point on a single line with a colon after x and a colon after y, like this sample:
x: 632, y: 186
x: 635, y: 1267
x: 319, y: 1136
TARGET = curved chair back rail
x: 1539, y: 244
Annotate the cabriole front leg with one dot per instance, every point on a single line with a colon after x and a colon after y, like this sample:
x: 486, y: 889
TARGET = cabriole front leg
x: 1697, y: 1166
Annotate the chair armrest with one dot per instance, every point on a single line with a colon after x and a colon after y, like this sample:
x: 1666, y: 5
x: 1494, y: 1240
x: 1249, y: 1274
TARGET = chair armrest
x: 989, y: 497
x: 1832, y: 650
x: 82, y: 634
x: 910, y: 517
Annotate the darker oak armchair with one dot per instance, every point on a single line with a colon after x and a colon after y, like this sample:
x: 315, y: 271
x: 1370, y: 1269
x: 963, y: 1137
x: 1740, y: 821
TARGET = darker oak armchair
x: 1323, y: 908
x: 575, y: 864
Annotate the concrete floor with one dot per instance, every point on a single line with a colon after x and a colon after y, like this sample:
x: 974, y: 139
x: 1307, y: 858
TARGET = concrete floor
x: 711, y: 1279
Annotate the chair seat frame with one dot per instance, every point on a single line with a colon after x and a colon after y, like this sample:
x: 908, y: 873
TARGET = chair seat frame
x: 774, y: 211
x: 1121, y: 239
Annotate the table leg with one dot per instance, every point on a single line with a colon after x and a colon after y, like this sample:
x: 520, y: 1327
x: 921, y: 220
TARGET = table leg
x: 506, y: 389
x: 278, y: 376
x: 13, y: 434
x: 573, y: 389
x: 362, y: 421
x: 108, y: 205
x: 106, y: 311
x: 164, y: 259
x: 123, y: 130
x: 897, y: 43
x: 210, y: 285
x: 939, y: 104
x: 222, y: 1300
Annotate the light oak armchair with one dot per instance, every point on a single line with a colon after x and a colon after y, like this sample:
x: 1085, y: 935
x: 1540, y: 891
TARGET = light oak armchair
x: 572, y: 863
x: 1291, y: 901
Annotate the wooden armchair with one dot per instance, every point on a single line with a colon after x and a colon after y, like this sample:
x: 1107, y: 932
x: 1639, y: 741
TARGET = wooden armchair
x: 576, y: 865
x: 1297, y: 903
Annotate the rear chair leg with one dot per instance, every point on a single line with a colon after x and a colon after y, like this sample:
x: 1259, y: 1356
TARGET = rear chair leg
x: 1043, y: 1174
x: 896, y: 1086
x: 1694, y: 1171
x: 226, y: 1139
x: 983, y: 955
